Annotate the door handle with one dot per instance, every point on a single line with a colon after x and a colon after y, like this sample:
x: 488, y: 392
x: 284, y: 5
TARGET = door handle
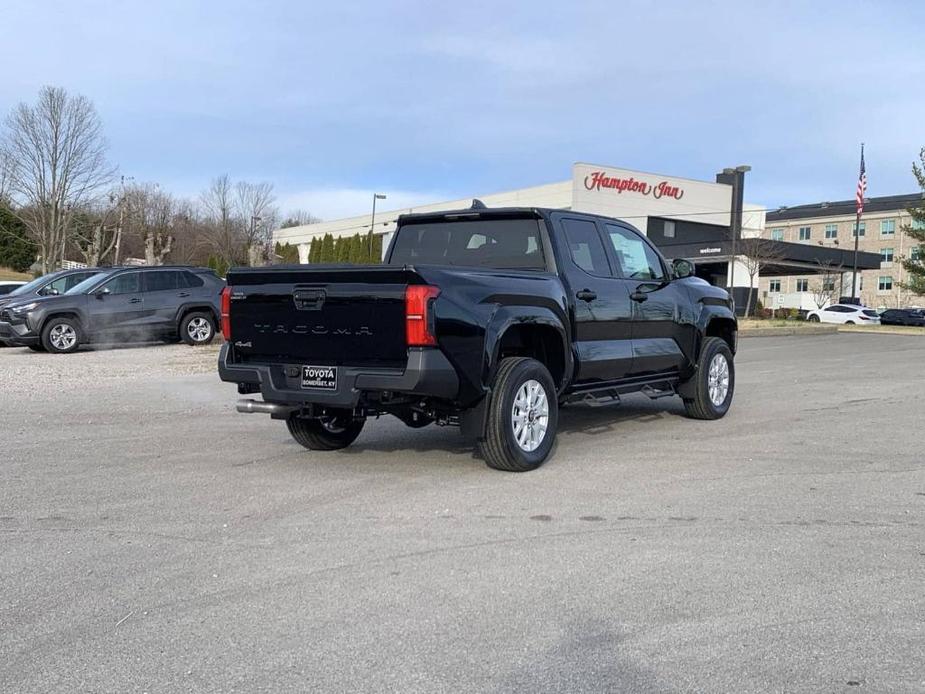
x: 136, y: 300
x: 639, y: 296
x: 586, y: 295
x: 183, y: 294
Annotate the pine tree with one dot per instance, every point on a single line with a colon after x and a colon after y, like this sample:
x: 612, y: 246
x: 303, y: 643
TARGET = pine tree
x: 356, y: 250
x: 313, y: 250
x: 343, y: 249
x: 376, y: 258
x: 914, y: 263
x: 327, y: 249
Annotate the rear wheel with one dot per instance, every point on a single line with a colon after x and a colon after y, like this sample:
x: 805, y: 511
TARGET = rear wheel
x: 327, y: 433
x: 713, y: 383
x: 197, y: 328
x: 849, y: 322
x: 523, y: 416
x: 61, y: 335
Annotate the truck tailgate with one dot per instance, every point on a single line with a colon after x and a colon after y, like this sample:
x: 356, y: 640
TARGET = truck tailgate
x: 324, y: 315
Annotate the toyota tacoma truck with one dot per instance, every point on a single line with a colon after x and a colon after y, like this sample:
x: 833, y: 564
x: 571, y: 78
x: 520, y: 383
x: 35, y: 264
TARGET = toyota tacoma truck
x: 487, y: 319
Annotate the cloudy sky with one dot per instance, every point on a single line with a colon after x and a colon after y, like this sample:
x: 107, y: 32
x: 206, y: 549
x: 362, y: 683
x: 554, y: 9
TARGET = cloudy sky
x: 430, y: 100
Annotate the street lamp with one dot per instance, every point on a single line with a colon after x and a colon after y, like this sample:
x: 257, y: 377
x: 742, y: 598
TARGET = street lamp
x: 372, y: 224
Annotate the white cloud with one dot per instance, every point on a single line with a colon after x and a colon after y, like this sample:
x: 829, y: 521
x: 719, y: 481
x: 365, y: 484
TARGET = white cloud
x: 337, y: 203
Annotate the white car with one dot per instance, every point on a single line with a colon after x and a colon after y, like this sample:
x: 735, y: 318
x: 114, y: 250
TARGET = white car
x: 8, y: 286
x: 845, y: 314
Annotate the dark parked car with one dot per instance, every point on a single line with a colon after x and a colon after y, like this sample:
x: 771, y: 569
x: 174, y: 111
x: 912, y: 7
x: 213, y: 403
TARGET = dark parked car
x: 52, y: 284
x: 119, y: 304
x: 485, y: 318
x: 903, y: 316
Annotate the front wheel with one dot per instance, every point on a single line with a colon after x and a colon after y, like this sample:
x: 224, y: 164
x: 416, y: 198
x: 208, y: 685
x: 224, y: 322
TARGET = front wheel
x: 61, y: 335
x: 328, y: 433
x: 713, y: 383
x: 813, y: 319
x: 523, y: 416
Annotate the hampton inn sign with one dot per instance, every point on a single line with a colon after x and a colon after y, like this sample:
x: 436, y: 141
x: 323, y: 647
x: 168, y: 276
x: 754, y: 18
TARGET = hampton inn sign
x: 596, y: 180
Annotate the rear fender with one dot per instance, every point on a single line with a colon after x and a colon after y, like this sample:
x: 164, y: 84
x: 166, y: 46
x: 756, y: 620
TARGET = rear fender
x: 507, y: 318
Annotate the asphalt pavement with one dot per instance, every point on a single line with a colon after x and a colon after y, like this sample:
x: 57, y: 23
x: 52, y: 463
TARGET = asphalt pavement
x: 153, y: 540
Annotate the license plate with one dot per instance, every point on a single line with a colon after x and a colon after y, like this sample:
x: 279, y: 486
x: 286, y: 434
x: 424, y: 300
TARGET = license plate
x: 319, y: 377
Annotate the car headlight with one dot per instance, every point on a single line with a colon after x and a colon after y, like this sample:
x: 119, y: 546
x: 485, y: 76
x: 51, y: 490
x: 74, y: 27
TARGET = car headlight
x: 25, y: 308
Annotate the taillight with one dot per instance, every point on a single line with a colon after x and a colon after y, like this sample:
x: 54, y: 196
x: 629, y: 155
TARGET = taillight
x: 226, y: 313
x: 862, y: 317
x: 418, y: 320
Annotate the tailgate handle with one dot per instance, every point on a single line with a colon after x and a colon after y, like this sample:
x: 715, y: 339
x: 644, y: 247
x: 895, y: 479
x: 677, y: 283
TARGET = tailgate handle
x: 308, y: 299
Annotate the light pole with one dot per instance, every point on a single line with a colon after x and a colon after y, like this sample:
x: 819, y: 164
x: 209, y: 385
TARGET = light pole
x: 736, y: 178
x: 372, y: 224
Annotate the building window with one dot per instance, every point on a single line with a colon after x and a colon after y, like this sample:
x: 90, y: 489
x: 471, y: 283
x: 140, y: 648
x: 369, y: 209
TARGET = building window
x: 915, y: 254
x: 918, y: 224
x: 777, y: 234
x: 805, y: 233
x: 886, y: 256
x: 774, y: 286
x: 669, y: 229
x: 831, y: 231
x: 885, y: 284
x: 887, y: 227
x: 802, y: 285
x: 828, y: 284
x: 859, y: 230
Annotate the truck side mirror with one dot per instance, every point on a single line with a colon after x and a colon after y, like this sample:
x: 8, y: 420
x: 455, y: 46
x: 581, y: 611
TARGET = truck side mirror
x: 682, y: 268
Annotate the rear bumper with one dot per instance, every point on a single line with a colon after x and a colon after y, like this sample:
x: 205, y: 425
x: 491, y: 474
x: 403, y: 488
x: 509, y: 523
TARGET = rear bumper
x: 428, y: 374
x: 17, y: 335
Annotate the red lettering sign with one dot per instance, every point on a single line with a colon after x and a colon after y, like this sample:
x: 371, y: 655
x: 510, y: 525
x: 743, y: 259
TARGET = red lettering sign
x: 599, y: 180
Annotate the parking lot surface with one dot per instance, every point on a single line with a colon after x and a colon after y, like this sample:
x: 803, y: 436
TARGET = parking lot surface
x: 152, y: 540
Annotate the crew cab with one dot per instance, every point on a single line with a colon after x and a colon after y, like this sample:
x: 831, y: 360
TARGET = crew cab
x: 490, y: 319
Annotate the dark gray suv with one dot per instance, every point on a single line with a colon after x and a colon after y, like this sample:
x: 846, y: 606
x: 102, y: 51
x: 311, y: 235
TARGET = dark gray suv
x: 52, y: 284
x: 124, y: 304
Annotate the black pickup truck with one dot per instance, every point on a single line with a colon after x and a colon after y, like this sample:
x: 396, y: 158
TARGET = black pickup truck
x: 490, y: 319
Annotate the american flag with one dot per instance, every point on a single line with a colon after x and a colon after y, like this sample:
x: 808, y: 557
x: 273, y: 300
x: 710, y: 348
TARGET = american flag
x: 862, y: 184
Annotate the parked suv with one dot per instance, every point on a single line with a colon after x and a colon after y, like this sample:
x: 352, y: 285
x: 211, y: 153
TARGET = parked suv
x: 52, y: 284
x: 119, y: 304
x: 903, y: 316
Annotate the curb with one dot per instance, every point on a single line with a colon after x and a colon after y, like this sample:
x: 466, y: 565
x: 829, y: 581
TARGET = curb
x: 914, y: 332
x: 786, y: 332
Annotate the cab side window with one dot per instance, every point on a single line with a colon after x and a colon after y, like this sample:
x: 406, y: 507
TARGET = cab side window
x: 636, y: 258
x: 586, y: 247
x: 124, y: 284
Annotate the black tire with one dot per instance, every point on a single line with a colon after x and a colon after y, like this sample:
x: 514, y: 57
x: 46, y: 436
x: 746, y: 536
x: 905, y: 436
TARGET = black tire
x: 61, y: 336
x: 813, y: 319
x: 197, y: 328
x: 500, y: 447
x: 701, y: 405
x: 329, y: 434
x: 849, y: 322
x: 36, y: 348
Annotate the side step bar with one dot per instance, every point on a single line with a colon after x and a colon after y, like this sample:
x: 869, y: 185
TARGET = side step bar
x: 610, y: 394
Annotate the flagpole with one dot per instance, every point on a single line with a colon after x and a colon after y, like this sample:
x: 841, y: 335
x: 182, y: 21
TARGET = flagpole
x: 857, y: 237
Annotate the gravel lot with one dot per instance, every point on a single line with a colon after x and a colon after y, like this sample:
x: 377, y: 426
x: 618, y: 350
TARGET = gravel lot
x: 152, y: 540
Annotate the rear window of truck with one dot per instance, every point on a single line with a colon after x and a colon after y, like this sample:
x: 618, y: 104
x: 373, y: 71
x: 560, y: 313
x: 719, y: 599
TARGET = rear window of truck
x: 493, y: 243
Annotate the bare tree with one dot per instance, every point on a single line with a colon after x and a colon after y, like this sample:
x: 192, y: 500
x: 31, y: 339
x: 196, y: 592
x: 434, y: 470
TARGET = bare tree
x: 298, y: 218
x: 149, y: 218
x: 255, y: 208
x: 218, y: 203
x: 759, y: 254
x: 5, y: 175
x: 94, y: 231
x: 57, y: 163
x: 825, y: 291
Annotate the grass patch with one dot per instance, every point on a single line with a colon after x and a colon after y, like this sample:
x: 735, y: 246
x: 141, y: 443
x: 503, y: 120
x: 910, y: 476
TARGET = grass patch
x: 12, y: 275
